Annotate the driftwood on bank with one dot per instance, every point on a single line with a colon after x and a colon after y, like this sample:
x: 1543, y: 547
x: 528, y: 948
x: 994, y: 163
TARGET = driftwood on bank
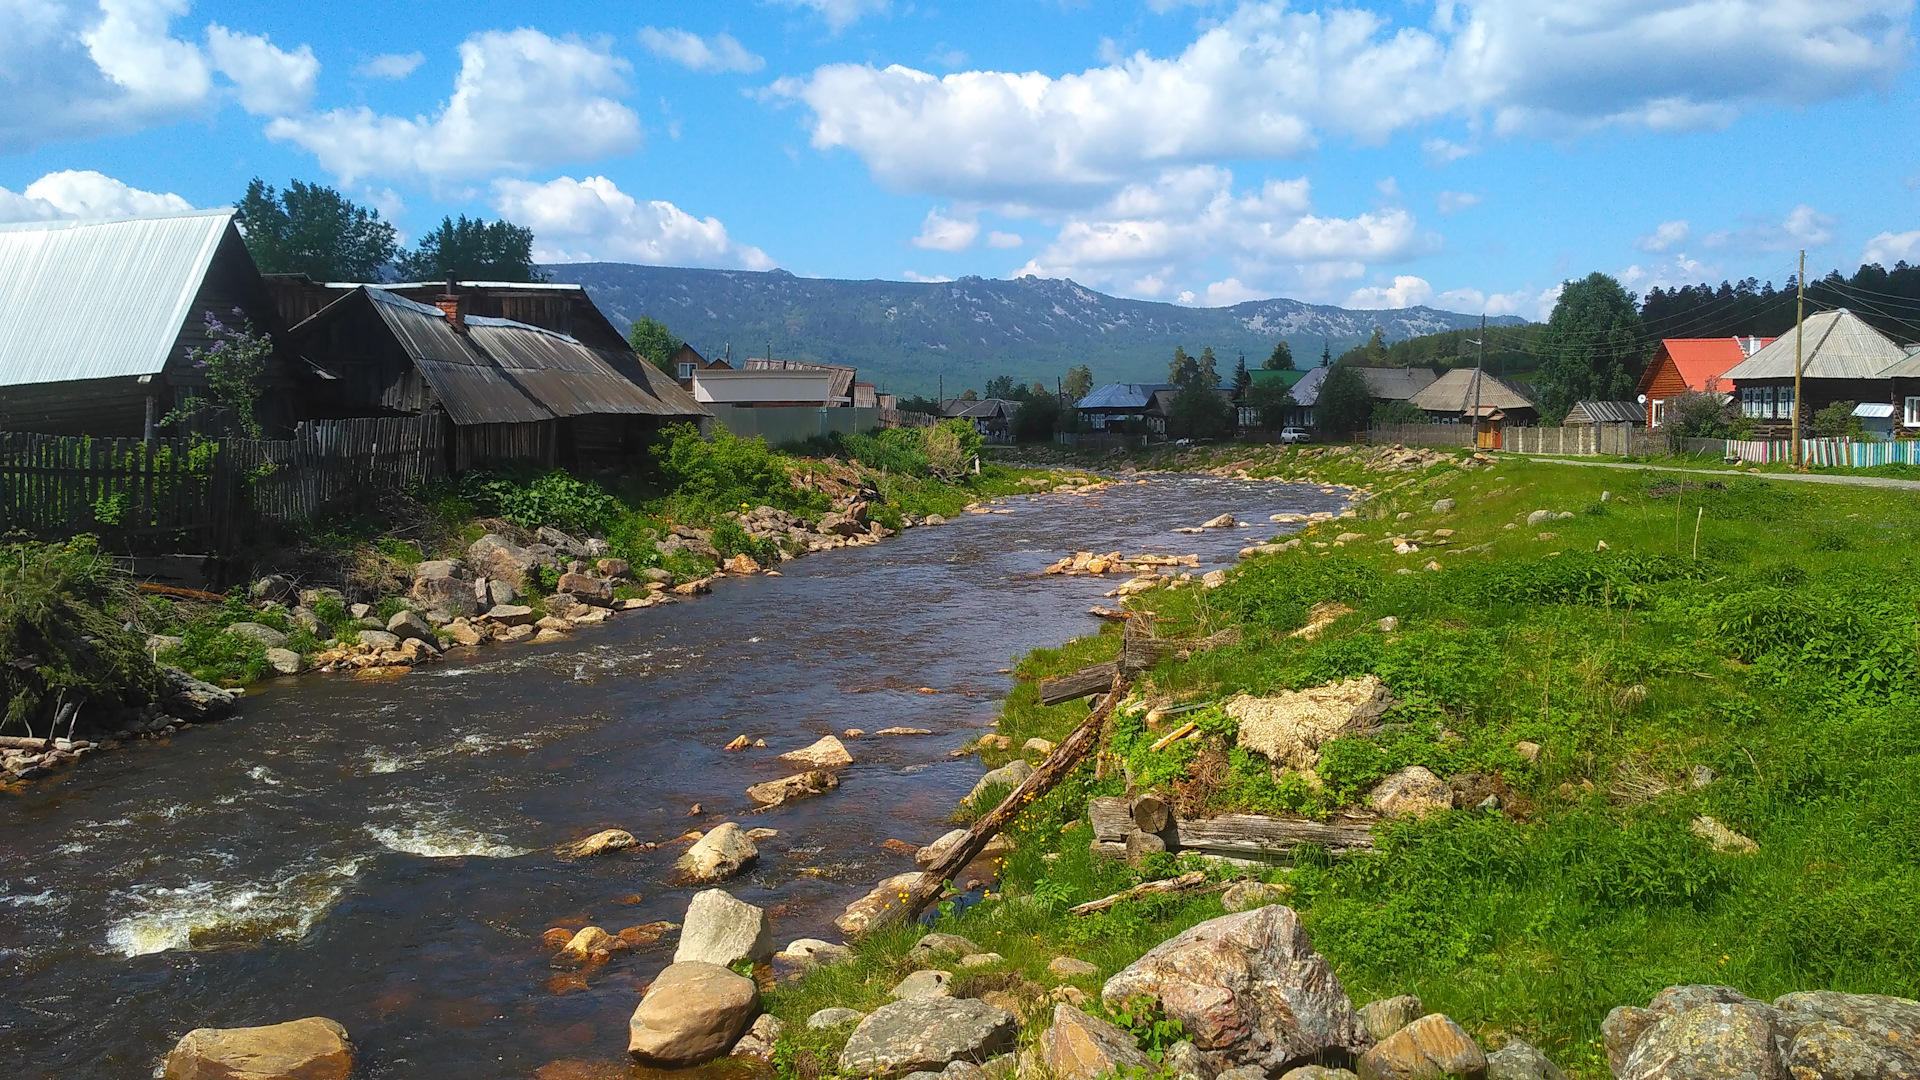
x: 15, y: 742
x: 1192, y: 882
x: 1112, y: 818
x: 1065, y: 757
x: 1083, y: 683
x: 1254, y: 835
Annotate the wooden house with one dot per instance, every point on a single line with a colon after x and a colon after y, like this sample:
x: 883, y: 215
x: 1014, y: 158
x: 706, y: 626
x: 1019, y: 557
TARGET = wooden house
x: 507, y: 390
x: 1118, y: 407
x: 1841, y: 358
x: 1691, y: 365
x: 991, y: 417
x: 1606, y: 412
x: 1469, y: 396
x: 99, y: 320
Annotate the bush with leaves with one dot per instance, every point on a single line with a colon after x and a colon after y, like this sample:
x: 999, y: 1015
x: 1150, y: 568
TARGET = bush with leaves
x: 531, y: 500
x: 62, y: 613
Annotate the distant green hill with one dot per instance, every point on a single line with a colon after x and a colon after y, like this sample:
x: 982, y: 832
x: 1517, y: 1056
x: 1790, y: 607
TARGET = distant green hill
x: 907, y: 336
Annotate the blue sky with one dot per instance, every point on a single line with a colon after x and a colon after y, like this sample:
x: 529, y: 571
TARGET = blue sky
x: 1469, y: 154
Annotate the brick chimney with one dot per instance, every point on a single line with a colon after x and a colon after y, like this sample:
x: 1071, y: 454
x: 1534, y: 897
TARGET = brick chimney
x: 450, y: 305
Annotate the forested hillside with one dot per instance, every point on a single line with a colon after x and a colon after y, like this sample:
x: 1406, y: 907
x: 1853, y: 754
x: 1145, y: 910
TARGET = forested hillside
x: 909, y: 336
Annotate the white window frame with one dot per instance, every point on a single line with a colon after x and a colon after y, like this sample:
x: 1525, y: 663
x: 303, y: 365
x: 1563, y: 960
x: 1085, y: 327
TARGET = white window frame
x: 1912, y: 417
x: 1655, y: 411
x: 1766, y: 402
x: 1785, y: 403
x: 686, y: 372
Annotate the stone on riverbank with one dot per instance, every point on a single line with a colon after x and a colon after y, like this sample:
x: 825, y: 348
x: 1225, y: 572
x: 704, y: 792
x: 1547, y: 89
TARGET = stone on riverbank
x: 723, y: 852
x: 311, y: 1049
x: 407, y: 625
x: 933, y: 946
x: 827, y: 753
x: 808, y: 952
x: 599, y: 843
x: 833, y: 1018
x: 195, y: 699
x: 1411, y: 792
x: 1427, y: 1049
x: 791, y: 788
x: 1249, y: 989
x: 1709, y: 1032
x: 1081, y: 1047
x: 587, y: 589
x: 499, y: 559
x: 253, y: 631
x: 1068, y: 967
x: 1388, y: 1015
x: 1009, y: 776
x: 1245, y: 895
x: 285, y: 661
x: 927, y: 983
x: 1521, y: 1060
x: 927, y: 1034
x: 693, y: 1013
x: 865, y: 911
x: 720, y: 929
x: 758, y: 1042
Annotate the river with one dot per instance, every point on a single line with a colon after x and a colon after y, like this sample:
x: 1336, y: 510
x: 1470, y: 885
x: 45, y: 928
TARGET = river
x: 378, y: 851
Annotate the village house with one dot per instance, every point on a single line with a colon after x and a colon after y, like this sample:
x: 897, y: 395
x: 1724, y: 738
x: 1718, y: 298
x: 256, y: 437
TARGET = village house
x: 991, y: 417
x: 1397, y: 383
x: 99, y: 321
x: 1696, y: 365
x: 686, y: 360
x: 1118, y: 407
x: 1585, y: 413
x: 1159, y: 410
x: 1470, y: 396
x: 765, y: 389
x: 1842, y: 358
x: 507, y: 390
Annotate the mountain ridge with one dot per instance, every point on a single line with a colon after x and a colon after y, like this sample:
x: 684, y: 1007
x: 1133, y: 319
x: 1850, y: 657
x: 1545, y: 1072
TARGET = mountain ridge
x: 911, y: 337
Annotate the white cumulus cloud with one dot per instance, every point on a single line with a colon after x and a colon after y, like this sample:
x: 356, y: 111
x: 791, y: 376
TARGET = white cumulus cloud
x: 84, y: 194
x: 942, y: 233
x: 998, y: 239
x: 593, y: 220
x: 1267, y: 81
x: 394, y: 66
x: 1802, y: 227
x: 1891, y: 247
x: 1452, y: 202
x: 1406, y: 291
x: 1665, y: 236
x: 72, y: 70
x: 522, y: 101
x: 721, y: 52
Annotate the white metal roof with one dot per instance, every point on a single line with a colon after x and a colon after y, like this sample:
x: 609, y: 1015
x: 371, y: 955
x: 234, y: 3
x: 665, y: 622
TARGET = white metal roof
x: 1836, y: 345
x: 99, y: 299
x: 1873, y: 410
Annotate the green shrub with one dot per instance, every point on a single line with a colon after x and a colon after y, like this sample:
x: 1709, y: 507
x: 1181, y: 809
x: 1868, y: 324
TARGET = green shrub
x: 728, y: 473
x: 553, y: 498
x: 62, y: 609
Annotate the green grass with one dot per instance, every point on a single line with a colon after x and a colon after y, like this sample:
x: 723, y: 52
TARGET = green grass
x: 1784, y: 656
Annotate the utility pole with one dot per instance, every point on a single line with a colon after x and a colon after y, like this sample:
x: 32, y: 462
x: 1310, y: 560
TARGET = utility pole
x: 1799, y: 337
x: 1479, y: 366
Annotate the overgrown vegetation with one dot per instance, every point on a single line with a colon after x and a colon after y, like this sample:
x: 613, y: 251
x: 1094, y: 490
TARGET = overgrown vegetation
x: 62, y: 607
x: 1770, y: 682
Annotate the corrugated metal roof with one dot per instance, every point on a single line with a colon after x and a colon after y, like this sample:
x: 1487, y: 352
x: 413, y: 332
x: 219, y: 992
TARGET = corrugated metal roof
x: 1454, y: 393
x: 1121, y: 396
x: 100, y: 299
x: 561, y: 373
x: 1289, y: 376
x: 1306, y: 390
x: 1836, y: 345
x: 842, y: 375
x: 1610, y: 412
x: 472, y: 388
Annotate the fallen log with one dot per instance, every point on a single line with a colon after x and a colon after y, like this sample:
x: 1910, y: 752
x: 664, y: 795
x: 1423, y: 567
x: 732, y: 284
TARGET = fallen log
x: 15, y: 742
x: 1151, y: 813
x: 180, y: 592
x: 1173, y: 736
x: 1059, y: 765
x: 1112, y: 818
x: 1083, y: 683
x: 1193, y: 882
x: 1245, y: 835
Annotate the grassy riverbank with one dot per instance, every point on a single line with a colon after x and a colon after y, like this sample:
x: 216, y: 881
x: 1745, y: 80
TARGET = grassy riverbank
x: 678, y: 515
x: 1678, y: 647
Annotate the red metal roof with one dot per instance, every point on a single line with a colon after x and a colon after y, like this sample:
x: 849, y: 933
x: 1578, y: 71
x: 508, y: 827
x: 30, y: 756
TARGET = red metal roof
x: 1701, y: 361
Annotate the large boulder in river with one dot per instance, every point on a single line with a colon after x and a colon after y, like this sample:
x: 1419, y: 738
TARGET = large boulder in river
x: 827, y: 753
x: 692, y: 1013
x: 789, y: 788
x: 311, y: 1049
x: 587, y: 589
x: 1289, y: 728
x: 720, y: 854
x: 1081, y: 1047
x: 194, y: 699
x: 1249, y: 990
x: 926, y: 1034
x: 720, y: 929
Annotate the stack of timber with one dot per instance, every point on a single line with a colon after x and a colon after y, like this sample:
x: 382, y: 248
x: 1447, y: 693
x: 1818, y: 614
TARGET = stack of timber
x: 1125, y: 828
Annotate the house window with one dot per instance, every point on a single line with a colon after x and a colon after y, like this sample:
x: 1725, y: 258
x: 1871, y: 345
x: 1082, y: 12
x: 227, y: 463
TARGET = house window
x: 1913, y: 412
x: 686, y: 372
x: 1766, y: 402
x: 1659, y: 412
x: 1786, y: 403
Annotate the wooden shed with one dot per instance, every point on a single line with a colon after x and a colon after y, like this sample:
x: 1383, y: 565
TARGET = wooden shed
x: 98, y: 320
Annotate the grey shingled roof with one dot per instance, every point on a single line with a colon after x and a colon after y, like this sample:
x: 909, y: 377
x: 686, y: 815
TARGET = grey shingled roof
x: 1454, y: 393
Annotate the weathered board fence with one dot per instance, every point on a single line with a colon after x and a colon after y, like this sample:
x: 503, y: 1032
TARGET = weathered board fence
x: 195, y: 492
x: 1572, y: 440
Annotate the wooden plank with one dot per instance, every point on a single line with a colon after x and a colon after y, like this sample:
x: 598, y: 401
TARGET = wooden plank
x: 1112, y: 818
x: 1192, y: 882
x: 1256, y: 835
x: 1083, y: 683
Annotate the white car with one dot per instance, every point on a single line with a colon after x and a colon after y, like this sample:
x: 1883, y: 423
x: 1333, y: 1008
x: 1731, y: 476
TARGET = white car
x: 1295, y: 434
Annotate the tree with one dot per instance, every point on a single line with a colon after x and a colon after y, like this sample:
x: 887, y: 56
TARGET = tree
x: 1397, y: 412
x: 1326, y: 353
x: 1345, y: 404
x: 1375, y: 350
x: 917, y: 404
x: 1281, y: 359
x: 1038, y: 389
x: 472, y: 249
x: 1693, y: 415
x: 1078, y: 383
x: 1199, y: 411
x: 1184, y: 370
x: 1036, y: 419
x: 1271, y: 398
x: 1242, y: 378
x: 969, y: 394
x: 1593, y: 347
x: 1837, y: 420
x: 1006, y: 388
x: 653, y: 341
x: 313, y: 230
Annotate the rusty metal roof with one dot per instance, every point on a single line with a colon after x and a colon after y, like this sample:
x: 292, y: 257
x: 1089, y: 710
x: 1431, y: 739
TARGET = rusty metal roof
x: 560, y: 373
x: 100, y: 299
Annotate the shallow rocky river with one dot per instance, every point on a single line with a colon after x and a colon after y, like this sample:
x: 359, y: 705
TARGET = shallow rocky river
x: 379, y: 852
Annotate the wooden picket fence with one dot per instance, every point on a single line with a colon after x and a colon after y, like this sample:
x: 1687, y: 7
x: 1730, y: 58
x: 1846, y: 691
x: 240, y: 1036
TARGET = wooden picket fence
x: 192, y: 494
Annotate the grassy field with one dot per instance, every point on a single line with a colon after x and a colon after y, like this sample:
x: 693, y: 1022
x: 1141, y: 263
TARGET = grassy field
x: 1767, y: 631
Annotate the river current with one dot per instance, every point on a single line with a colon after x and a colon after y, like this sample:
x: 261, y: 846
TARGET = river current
x: 379, y: 851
